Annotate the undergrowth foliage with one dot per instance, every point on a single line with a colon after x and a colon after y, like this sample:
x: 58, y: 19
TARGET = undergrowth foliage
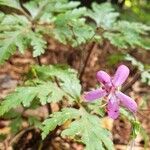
x: 25, y: 26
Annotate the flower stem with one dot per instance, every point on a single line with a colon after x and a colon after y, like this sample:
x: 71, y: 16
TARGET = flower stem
x: 86, y: 61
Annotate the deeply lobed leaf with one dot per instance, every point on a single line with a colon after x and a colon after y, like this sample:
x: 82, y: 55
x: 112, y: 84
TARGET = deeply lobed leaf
x: 57, y: 119
x: 104, y: 15
x: 45, y: 92
x: 91, y: 133
x: 125, y: 34
x: 68, y: 78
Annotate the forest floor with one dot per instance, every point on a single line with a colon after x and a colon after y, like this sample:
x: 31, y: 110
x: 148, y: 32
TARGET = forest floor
x: 12, y: 73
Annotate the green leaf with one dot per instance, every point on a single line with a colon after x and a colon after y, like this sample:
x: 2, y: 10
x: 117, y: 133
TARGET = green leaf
x: 125, y: 34
x: 14, y: 21
x: 11, y: 114
x: 7, y: 49
x: 145, y: 73
x: 96, y: 108
x: 38, y: 43
x: 46, y: 92
x: 135, y: 129
x: 67, y: 77
x: 16, y: 125
x: 11, y: 7
x: 59, y: 6
x: 115, y: 58
x: 70, y: 28
x: 11, y: 40
x: 116, y: 39
x: 92, y: 134
x: 127, y: 114
x: 57, y: 119
x: 145, y: 136
x: 34, y: 121
x: 1, y: 16
x: 2, y: 137
x: 103, y: 14
x: 10, y: 3
x: 51, y: 8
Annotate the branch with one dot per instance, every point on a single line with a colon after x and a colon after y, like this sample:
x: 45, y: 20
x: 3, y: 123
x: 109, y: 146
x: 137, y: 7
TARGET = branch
x: 128, y: 85
x: 39, y: 60
x: 20, y: 134
x: 23, y: 8
x: 86, y: 61
x: 24, y: 11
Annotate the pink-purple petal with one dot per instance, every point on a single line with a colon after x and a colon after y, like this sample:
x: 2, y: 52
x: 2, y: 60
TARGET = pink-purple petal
x: 113, y: 108
x: 95, y: 94
x: 120, y: 76
x: 103, y: 78
x: 127, y: 101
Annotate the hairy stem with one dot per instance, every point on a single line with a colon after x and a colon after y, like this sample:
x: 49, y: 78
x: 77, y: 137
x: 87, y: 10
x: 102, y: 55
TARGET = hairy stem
x: 86, y: 61
x: 25, y: 11
x: 23, y: 8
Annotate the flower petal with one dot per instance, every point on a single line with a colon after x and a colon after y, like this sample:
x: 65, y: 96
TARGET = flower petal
x: 127, y: 101
x: 113, y: 108
x: 121, y: 75
x: 103, y: 78
x: 95, y: 94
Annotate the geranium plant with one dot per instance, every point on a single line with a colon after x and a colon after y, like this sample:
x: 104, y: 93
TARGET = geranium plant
x: 27, y: 27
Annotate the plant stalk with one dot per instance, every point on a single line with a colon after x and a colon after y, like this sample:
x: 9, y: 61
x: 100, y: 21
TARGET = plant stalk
x: 128, y: 85
x: 86, y: 61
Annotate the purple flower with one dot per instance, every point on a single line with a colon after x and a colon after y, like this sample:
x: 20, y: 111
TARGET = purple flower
x: 110, y: 89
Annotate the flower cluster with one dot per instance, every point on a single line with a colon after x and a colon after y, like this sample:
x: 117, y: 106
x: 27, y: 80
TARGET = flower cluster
x: 110, y: 89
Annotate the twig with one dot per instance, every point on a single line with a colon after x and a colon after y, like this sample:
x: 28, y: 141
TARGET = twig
x: 81, y: 65
x: 23, y: 8
x: 48, y: 140
x: 39, y: 60
x: 143, y: 116
x: 135, y: 78
x: 18, y: 136
x: 144, y: 110
x: 81, y: 50
x: 86, y: 61
x: 25, y: 14
x: 24, y: 11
